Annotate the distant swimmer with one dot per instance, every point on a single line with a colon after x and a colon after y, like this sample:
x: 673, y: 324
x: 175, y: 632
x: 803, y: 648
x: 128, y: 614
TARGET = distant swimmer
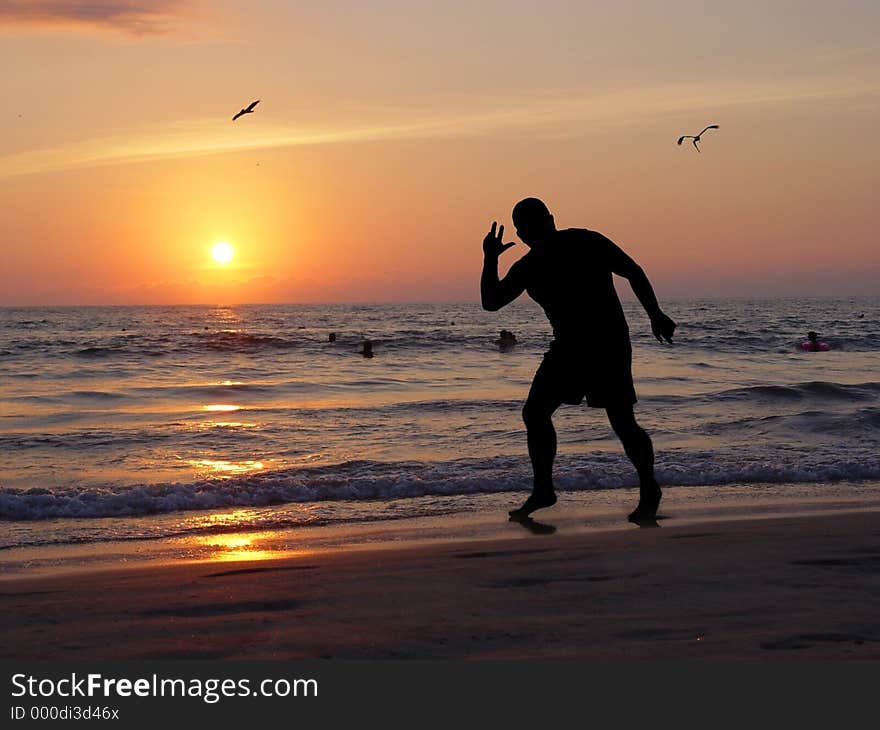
x: 247, y: 110
x: 367, y: 350
x: 695, y: 138
x: 332, y: 337
x: 813, y: 345
x: 506, y: 340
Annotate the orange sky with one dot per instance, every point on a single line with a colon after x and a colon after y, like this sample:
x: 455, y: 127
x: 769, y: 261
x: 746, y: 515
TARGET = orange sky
x: 390, y: 134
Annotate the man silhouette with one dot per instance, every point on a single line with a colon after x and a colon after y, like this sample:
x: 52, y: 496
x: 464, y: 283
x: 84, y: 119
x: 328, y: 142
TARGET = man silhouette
x: 568, y: 272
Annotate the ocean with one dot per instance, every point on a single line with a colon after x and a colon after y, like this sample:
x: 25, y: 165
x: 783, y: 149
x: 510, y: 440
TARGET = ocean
x: 147, y: 423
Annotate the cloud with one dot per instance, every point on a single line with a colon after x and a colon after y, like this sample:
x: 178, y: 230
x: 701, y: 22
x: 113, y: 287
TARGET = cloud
x: 556, y: 111
x: 135, y: 17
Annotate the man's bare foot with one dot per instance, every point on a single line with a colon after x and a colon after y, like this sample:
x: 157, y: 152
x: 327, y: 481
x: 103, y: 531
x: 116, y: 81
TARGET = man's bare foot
x: 649, y: 501
x: 534, y: 502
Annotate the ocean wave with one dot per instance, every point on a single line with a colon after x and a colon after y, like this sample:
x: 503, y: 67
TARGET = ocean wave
x: 438, y: 343
x: 442, y: 342
x: 258, y: 520
x: 861, y: 422
x: 371, y: 480
x: 211, y: 390
x: 814, y: 390
x: 236, y: 341
x: 846, y: 424
x: 96, y: 394
x: 99, y: 351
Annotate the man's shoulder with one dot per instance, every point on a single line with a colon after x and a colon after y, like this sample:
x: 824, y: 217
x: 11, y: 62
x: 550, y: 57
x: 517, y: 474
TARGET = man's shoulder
x: 584, y: 235
x: 584, y: 242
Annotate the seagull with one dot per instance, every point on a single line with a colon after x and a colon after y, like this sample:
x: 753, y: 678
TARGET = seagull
x: 249, y: 110
x: 695, y: 138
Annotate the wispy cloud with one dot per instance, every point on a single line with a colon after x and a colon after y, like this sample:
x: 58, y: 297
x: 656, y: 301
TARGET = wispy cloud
x: 136, y: 17
x: 558, y: 111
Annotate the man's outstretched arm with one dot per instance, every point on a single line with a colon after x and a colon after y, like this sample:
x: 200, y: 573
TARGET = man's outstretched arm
x: 621, y: 264
x: 496, y: 293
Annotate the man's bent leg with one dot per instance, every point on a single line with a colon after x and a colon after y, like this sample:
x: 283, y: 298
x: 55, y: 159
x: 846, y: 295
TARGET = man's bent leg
x: 537, y: 415
x: 638, y: 447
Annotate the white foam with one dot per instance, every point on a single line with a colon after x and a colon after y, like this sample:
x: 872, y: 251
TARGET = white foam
x: 365, y: 480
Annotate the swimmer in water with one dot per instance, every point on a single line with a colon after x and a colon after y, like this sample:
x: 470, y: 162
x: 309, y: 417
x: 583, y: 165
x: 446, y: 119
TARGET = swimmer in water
x: 813, y: 344
x: 367, y: 350
x: 506, y: 340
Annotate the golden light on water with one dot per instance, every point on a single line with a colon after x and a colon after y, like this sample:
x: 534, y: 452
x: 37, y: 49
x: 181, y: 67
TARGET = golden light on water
x: 233, y: 541
x: 222, y: 466
x: 232, y: 518
x: 221, y: 408
x: 243, y: 546
x: 222, y: 252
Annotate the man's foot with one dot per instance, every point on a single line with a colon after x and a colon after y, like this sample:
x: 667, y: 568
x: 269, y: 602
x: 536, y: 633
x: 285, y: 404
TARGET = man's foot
x: 649, y: 501
x: 534, y: 502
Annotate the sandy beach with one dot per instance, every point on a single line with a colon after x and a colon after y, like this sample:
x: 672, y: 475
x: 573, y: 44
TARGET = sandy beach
x: 803, y: 587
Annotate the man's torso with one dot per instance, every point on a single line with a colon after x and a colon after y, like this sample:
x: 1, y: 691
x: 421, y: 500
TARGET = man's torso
x: 572, y: 281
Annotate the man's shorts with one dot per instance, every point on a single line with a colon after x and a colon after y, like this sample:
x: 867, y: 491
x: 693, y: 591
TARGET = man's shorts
x: 601, y: 374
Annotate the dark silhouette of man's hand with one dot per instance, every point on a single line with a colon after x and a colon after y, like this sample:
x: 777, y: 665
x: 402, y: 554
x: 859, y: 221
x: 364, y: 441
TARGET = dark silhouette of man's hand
x: 663, y: 327
x: 492, y: 245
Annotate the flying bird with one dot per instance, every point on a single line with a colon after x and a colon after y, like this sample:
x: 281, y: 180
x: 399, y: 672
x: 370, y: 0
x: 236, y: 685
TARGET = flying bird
x: 695, y: 138
x: 248, y: 110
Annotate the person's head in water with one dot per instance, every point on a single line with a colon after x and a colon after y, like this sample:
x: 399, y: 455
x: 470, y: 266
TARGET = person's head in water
x: 534, y: 224
x: 813, y: 336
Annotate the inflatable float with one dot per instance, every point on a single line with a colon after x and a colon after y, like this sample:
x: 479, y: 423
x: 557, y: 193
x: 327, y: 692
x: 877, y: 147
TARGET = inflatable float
x: 815, y: 346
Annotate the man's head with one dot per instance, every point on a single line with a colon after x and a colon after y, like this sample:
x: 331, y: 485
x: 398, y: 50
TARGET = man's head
x: 534, y: 224
x: 813, y: 336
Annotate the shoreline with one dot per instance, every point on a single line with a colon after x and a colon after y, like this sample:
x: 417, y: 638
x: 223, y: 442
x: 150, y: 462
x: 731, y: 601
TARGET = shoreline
x: 483, y: 519
x: 762, y: 587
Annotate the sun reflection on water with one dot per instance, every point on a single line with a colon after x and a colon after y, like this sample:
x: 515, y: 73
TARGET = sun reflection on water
x: 223, y: 466
x: 235, y: 546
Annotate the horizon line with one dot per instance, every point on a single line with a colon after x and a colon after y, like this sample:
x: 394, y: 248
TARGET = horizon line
x: 412, y: 302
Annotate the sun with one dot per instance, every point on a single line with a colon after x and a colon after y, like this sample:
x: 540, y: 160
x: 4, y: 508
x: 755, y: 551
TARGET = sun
x: 222, y: 252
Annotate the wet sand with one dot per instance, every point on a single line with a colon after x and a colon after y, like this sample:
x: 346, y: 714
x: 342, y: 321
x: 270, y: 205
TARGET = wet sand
x: 800, y: 587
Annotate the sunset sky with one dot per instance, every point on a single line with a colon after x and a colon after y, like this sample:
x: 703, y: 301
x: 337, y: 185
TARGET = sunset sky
x: 390, y: 134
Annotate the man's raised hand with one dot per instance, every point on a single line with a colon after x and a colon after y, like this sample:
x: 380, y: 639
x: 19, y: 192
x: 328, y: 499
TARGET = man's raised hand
x: 492, y: 245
